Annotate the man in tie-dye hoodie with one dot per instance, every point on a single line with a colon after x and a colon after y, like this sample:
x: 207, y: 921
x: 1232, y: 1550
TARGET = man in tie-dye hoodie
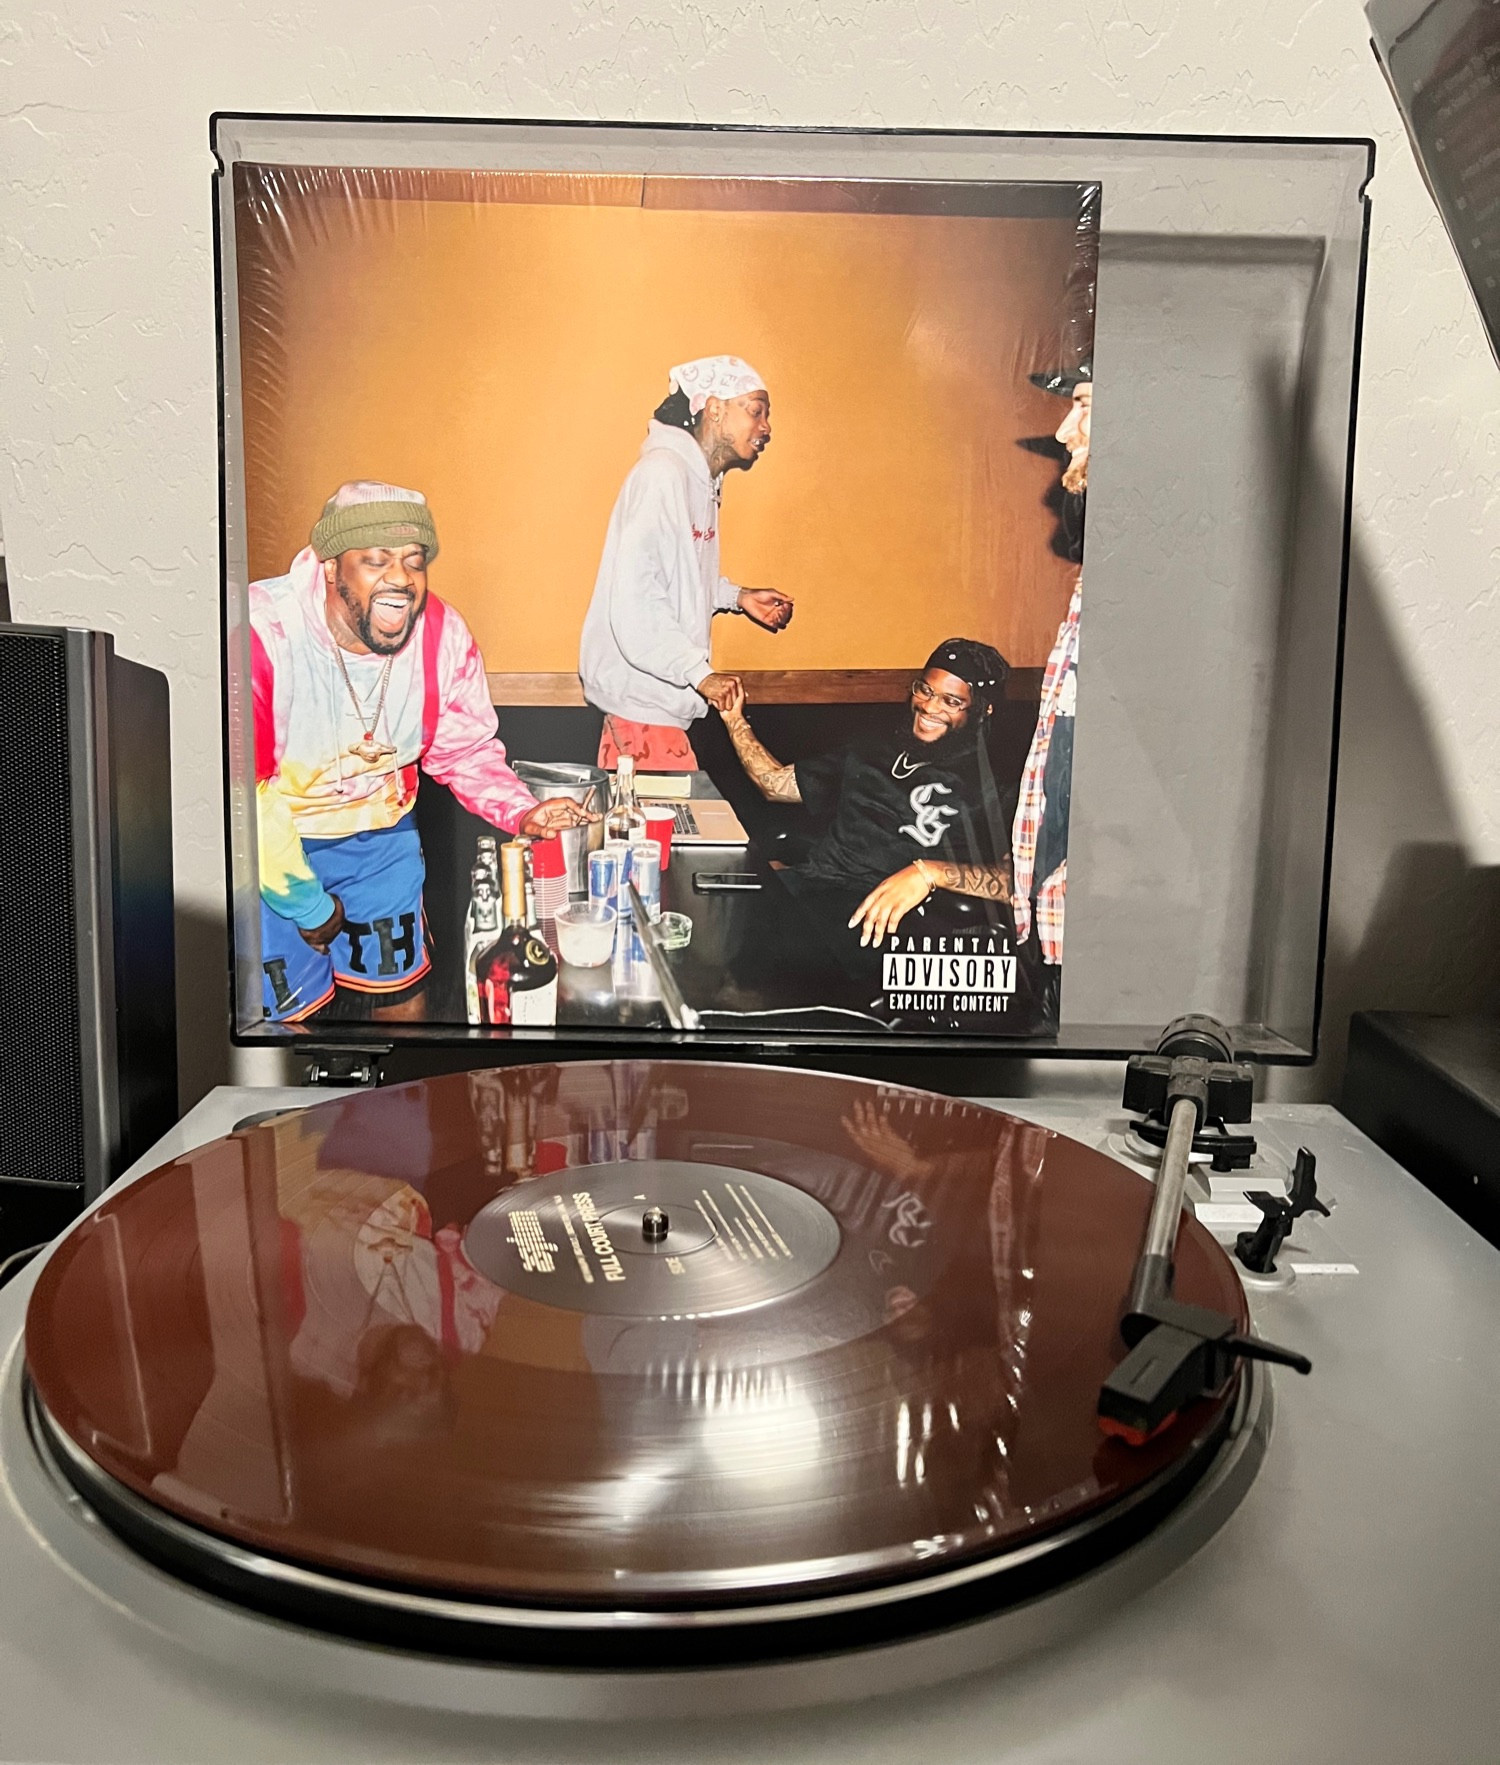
x: 360, y: 676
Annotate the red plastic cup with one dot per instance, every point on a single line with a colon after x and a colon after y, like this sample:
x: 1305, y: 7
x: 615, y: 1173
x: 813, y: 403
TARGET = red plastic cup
x: 659, y: 825
x: 548, y: 858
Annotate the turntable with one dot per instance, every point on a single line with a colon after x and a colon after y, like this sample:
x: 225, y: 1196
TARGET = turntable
x: 632, y: 1365
x: 372, y: 1489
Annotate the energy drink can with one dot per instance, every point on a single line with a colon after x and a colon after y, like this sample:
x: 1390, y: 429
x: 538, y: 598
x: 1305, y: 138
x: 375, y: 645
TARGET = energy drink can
x: 606, y: 872
x: 643, y: 868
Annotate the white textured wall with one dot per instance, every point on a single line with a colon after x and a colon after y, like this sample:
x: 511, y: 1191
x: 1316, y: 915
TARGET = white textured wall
x: 107, y: 399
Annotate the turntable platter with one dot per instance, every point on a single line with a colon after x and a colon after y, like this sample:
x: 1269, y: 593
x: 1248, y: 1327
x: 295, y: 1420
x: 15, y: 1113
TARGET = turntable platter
x: 611, y: 1337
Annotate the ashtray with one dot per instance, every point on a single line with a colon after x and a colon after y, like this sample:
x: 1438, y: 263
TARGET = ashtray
x: 676, y: 931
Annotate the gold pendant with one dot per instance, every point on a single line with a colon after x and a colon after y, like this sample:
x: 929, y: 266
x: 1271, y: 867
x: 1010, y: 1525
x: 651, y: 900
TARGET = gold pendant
x: 370, y: 750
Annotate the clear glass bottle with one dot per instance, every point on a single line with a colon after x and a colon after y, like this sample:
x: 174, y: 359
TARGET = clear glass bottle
x: 531, y: 918
x: 517, y: 974
x: 482, y: 927
x: 485, y: 859
x: 625, y: 824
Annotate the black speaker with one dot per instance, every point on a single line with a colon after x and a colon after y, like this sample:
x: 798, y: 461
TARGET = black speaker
x: 88, y: 1013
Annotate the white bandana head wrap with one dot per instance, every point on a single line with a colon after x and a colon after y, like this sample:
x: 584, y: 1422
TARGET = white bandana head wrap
x: 714, y: 376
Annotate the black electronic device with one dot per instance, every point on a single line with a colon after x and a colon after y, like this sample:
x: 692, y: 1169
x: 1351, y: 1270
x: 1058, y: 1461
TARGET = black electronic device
x: 1180, y: 1353
x: 1426, y: 1089
x: 726, y: 882
x: 1194, y: 1054
x: 88, y: 1060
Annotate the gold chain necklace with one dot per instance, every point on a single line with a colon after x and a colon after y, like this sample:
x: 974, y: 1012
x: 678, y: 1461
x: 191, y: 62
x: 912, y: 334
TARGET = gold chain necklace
x: 368, y: 749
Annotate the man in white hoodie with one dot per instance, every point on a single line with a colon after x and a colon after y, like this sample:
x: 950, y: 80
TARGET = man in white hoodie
x: 644, y: 656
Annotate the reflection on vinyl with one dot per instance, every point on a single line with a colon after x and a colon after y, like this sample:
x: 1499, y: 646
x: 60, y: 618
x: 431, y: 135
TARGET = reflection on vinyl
x: 615, y: 1335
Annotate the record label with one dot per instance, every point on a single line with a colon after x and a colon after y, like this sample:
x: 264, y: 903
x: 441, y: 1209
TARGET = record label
x: 654, y: 1238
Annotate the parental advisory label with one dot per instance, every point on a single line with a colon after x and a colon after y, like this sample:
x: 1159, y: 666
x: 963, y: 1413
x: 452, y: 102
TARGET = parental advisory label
x: 938, y: 973
x: 954, y: 973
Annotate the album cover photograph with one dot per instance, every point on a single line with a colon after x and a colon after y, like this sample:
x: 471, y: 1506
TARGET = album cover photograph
x: 663, y: 594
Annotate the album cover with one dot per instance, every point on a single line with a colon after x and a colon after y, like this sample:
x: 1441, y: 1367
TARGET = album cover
x: 663, y: 598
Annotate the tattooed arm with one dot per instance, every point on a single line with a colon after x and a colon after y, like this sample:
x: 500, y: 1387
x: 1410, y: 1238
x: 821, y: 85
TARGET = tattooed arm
x: 886, y: 905
x: 776, y: 783
x: 990, y: 882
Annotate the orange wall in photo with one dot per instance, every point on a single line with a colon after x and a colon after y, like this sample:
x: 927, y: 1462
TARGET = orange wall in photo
x: 503, y: 357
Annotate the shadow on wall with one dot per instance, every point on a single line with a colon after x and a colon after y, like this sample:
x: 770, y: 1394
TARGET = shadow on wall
x: 1412, y: 925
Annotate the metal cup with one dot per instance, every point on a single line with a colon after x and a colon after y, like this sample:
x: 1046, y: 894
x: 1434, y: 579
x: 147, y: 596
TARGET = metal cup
x: 585, y: 785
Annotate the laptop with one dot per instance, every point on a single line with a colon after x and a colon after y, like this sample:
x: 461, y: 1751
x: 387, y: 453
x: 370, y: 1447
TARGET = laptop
x: 700, y: 816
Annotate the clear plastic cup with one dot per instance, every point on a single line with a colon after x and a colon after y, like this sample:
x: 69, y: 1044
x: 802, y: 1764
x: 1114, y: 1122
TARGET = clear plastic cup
x: 585, y: 933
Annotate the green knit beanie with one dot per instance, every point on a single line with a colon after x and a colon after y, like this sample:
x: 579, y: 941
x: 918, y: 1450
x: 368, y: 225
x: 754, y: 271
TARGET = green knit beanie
x: 366, y: 514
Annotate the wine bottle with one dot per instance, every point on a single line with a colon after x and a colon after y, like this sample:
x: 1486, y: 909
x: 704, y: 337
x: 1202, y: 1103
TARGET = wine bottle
x: 625, y: 824
x: 517, y: 975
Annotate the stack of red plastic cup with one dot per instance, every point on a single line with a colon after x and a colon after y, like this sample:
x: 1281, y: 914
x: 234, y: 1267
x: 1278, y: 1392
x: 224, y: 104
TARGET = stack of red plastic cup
x: 549, y: 876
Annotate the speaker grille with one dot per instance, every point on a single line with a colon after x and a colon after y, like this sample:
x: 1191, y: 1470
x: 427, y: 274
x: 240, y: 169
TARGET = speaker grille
x: 41, y: 1121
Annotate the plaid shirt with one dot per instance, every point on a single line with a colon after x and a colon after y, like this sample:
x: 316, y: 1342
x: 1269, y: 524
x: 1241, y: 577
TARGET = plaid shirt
x: 1061, y: 664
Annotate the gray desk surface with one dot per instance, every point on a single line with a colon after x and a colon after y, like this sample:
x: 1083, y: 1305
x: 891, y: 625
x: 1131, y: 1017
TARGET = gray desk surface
x: 1345, y: 1613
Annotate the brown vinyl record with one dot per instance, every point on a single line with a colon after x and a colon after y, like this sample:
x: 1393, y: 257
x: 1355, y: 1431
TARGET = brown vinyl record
x: 427, y: 1337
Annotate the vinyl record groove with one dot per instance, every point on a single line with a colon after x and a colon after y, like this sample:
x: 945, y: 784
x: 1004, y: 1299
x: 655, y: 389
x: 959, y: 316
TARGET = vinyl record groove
x: 534, y: 1361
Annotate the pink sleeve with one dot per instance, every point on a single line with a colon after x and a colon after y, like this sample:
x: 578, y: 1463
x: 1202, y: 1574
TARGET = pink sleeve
x: 263, y: 701
x: 462, y: 749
